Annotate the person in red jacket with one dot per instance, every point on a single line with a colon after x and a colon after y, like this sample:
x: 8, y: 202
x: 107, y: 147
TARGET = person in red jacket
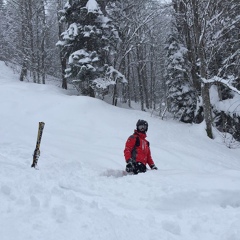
x: 137, y: 151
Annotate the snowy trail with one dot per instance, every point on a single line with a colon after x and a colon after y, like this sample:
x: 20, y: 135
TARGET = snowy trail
x: 80, y: 192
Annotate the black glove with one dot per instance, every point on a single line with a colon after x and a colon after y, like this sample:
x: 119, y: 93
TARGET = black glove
x: 153, y: 167
x: 140, y: 168
x: 130, y: 165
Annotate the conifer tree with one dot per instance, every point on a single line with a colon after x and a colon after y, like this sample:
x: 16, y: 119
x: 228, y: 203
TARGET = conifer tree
x: 88, y: 43
x: 181, y: 97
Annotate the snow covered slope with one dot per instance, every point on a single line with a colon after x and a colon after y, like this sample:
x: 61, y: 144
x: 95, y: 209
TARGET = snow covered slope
x: 80, y: 192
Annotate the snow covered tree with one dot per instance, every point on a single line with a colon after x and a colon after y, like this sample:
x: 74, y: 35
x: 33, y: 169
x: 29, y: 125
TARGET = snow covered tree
x: 181, y: 95
x: 8, y: 30
x: 142, y: 26
x: 62, y: 56
x: 2, y: 29
x: 210, y: 30
x: 89, y: 43
x: 224, y: 65
x: 26, y: 38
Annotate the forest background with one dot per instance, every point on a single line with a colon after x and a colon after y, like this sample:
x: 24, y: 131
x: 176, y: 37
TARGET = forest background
x: 177, y: 59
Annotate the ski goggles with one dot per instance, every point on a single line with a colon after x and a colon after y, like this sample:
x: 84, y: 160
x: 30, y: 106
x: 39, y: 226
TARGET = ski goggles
x: 142, y: 127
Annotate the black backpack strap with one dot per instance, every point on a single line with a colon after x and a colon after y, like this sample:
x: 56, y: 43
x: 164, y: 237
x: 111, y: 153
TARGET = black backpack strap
x: 137, y: 143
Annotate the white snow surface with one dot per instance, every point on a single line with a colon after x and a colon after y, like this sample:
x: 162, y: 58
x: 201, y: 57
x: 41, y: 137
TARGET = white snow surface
x: 80, y: 191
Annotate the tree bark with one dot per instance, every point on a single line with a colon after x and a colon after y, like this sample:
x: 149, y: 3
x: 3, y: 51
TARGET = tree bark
x: 199, y: 29
x: 63, y: 60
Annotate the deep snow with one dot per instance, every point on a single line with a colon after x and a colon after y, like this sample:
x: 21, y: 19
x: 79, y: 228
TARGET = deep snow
x: 79, y: 191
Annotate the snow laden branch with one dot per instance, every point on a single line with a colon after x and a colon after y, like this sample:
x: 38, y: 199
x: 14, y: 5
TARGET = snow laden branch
x: 227, y: 83
x: 112, y: 77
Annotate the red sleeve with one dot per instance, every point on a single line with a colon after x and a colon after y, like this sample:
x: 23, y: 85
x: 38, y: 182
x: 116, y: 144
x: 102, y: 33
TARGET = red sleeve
x: 149, y: 158
x: 129, y: 147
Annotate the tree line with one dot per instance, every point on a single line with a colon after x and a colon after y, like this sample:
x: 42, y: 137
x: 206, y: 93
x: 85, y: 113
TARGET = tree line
x: 178, y: 59
x: 203, y: 63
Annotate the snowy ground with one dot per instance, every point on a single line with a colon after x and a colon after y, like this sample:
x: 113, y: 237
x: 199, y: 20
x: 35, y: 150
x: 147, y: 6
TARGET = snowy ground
x: 79, y: 191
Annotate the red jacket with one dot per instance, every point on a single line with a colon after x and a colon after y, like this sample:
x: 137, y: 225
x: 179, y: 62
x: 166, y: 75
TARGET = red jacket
x: 138, y: 149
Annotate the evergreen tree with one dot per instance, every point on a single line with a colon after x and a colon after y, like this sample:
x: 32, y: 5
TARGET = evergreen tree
x: 88, y: 43
x: 181, y: 97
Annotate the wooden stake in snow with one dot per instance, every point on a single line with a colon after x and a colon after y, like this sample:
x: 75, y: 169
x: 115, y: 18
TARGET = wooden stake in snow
x: 36, y: 153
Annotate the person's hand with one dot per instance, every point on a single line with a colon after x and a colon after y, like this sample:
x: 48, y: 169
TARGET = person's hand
x: 153, y: 167
x: 130, y: 166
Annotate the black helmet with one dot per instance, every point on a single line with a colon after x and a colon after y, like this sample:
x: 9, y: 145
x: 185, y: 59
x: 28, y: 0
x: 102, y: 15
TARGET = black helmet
x: 142, y: 123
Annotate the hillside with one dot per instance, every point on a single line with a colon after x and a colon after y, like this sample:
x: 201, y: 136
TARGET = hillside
x: 79, y: 191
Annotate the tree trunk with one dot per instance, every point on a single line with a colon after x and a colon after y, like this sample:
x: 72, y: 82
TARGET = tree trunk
x: 139, y: 71
x: 128, y: 78
x: 199, y: 30
x: 114, y: 100
x: 63, y: 59
x: 144, y: 74
x: 207, y: 109
x: 31, y: 35
x: 23, y: 73
x: 44, y: 29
